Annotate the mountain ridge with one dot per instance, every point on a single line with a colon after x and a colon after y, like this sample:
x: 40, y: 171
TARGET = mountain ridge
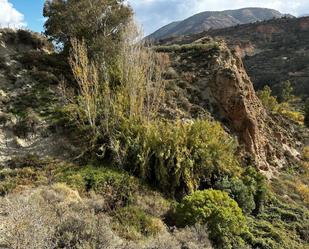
x: 207, y: 20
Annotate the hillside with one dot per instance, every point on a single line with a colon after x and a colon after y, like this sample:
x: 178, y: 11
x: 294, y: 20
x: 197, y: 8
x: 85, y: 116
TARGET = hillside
x: 215, y: 20
x: 59, y: 199
x: 28, y: 94
x: 213, y: 169
x: 273, y: 51
x: 214, y: 78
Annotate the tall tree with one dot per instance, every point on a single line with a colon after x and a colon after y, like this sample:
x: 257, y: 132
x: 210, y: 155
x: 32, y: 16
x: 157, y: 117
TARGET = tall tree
x: 98, y: 22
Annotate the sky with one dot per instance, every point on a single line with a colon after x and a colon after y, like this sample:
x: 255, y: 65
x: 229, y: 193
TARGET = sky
x: 151, y: 14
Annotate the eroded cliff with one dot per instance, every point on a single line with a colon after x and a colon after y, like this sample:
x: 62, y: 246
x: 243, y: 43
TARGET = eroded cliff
x: 214, y: 78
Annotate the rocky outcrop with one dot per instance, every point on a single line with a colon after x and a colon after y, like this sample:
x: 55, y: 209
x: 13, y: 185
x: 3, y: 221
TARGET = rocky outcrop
x: 226, y: 91
x: 233, y: 93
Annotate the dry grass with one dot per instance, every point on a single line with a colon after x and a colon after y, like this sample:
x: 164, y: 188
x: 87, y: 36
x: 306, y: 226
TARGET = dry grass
x: 52, y: 218
x: 57, y: 217
x: 303, y: 191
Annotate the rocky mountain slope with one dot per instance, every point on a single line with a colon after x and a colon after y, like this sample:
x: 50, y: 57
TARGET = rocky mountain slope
x: 273, y: 51
x: 215, y: 79
x: 215, y: 20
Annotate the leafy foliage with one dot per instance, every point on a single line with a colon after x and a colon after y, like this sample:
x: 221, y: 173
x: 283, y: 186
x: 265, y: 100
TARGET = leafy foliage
x: 197, y: 47
x: 284, y: 108
x: 225, y: 220
x: 249, y: 190
x: 177, y: 157
x: 98, y: 22
x: 270, y: 102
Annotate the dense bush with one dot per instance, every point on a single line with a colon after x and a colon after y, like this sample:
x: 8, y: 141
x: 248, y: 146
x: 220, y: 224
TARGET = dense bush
x: 177, y: 157
x: 249, y: 190
x: 270, y: 102
x: 225, y: 220
x: 287, y: 90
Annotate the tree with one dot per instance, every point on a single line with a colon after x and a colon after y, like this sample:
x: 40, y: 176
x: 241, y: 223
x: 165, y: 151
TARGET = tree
x: 307, y: 113
x: 286, y: 91
x: 99, y: 22
x: 270, y: 102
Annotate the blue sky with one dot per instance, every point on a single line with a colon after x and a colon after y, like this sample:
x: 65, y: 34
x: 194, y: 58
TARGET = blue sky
x: 152, y: 14
x: 32, y: 11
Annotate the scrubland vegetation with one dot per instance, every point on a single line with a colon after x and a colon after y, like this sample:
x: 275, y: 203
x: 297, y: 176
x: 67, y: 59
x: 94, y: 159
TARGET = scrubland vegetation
x: 288, y: 105
x: 142, y: 180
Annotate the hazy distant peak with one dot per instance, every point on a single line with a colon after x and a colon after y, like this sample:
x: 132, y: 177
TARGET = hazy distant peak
x: 216, y: 19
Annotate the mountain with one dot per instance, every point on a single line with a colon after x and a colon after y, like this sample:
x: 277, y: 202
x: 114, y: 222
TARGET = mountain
x: 215, y: 20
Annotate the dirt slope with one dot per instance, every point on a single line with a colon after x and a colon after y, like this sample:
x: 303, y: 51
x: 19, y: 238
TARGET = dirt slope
x: 25, y: 101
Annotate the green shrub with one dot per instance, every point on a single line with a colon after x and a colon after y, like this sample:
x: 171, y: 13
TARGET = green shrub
x: 132, y: 223
x: 225, y: 220
x: 177, y: 157
x: 284, y: 108
x: 239, y: 192
x: 249, y: 190
x: 270, y: 102
x: 287, y: 90
x: 258, y: 185
x: 116, y: 186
